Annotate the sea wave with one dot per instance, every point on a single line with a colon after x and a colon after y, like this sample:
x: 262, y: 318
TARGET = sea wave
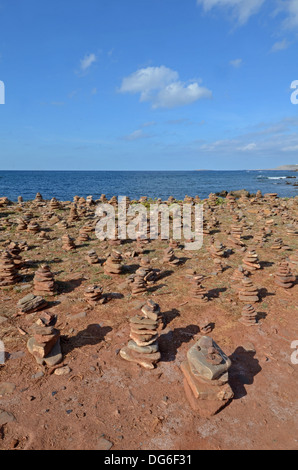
x: 272, y: 177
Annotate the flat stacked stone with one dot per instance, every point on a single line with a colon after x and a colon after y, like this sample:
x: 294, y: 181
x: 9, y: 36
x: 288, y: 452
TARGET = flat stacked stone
x: 205, y: 327
x: 277, y: 244
x: 143, y: 348
x: 68, y: 243
x: 291, y: 229
x: 138, y: 286
x: 73, y: 214
x: 248, y: 292
x: 217, y: 250
x: 198, y: 291
x: 92, y: 257
x: 260, y: 238
x: 171, y: 200
x: 103, y: 198
x: 14, y: 250
x: 43, y: 281
x: 174, y: 243
x: 239, y: 274
x: 219, y: 266
x: 93, y: 295
x: 151, y: 275
x: 38, y: 198
x: 236, y: 234
x: 206, y: 377
x: 62, y: 224
x: 31, y: 303
x: 113, y: 201
x: 250, y: 261
x: 293, y: 258
x: 259, y: 195
x: 231, y: 201
x: 113, y: 264
x: 54, y: 204
x: 20, y: 200
x: 248, y: 315
x: 45, y: 343
x: 43, y: 236
x: 8, y: 271
x: 206, y: 227
x: 83, y: 236
x: 284, y: 277
x: 76, y: 199
x: 89, y: 201
x: 33, y: 227
x: 170, y: 258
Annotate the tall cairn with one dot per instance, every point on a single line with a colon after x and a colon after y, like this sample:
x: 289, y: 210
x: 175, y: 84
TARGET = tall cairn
x: 143, y: 347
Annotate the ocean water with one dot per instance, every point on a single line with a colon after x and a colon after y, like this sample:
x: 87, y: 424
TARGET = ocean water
x: 64, y: 185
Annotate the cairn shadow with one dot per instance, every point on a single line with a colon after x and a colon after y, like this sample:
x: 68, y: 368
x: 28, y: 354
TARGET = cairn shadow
x: 242, y: 371
x: 266, y: 264
x: 93, y: 335
x: 164, y: 274
x: 155, y: 288
x: 263, y: 293
x: 169, y: 316
x: 130, y: 268
x: 35, y: 264
x: 169, y: 343
x: 261, y: 316
x: 66, y: 287
x: 215, y: 293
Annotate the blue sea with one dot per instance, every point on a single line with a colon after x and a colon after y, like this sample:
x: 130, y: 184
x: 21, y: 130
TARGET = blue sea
x: 64, y: 185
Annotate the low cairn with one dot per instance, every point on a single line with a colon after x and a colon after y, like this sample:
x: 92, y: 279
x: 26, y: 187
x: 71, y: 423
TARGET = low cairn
x: 170, y: 257
x: 31, y: 303
x: 45, y: 343
x: 44, y: 283
x: 113, y: 264
x: 138, y: 286
x: 248, y: 315
x: 93, y: 295
x: 250, y: 261
x: 206, y: 377
x: 92, y: 257
x: 8, y: 271
x: 248, y: 293
x: 143, y: 346
x: 68, y: 243
x: 284, y: 277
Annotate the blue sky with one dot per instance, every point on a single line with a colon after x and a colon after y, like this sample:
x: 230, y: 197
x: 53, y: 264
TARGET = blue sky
x: 148, y: 84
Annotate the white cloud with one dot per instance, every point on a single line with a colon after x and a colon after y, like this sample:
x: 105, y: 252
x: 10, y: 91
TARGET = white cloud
x: 162, y: 87
x: 280, y: 45
x: 179, y: 94
x: 291, y: 8
x: 136, y: 135
x: 242, y: 10
x: 88, y: 60
x: 248, y: 147
x: 236, y: 63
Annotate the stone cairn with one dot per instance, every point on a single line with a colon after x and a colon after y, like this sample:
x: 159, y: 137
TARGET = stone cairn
x: 197, y: 291
x: 31, y: 303
x: 45, y: 343
x: 54, y: 204
x: 68, y: 243
x: 170, y: 258
x: 151, y: 275
x: 206, y: 377
x: 44, y: 282
x: 92, y: 257
x: 14, y: 250
x: 250, y: 261
x: 205, y: 327
x: 38, y: 198
x: 217, y: 250
x: 284, y: 277
x: 248, y: 315
x: 83, y: 236
x: 93, y: 295
x: 239, y: 274
x: 22, y: 225
x: 260, y: 238
x: 113, y: 264
x: 8, y: 271
x: 20, y: 200
x: 236, y: 235
x: 33, y: 227
x: 43, y: 236
x: 277, y: 244
x: 138, y: 286
x: 143, y: 346
x: 73, y: 214
x: 248, y: 293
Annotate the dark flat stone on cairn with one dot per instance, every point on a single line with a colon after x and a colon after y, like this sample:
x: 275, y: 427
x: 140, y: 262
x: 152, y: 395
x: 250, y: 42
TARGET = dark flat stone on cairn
x: 31, y: 303
x: 250, y: 261
x: 206, y: 377
x: 45, y: 343
x: 143, y: 346
x: 92, y: 257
